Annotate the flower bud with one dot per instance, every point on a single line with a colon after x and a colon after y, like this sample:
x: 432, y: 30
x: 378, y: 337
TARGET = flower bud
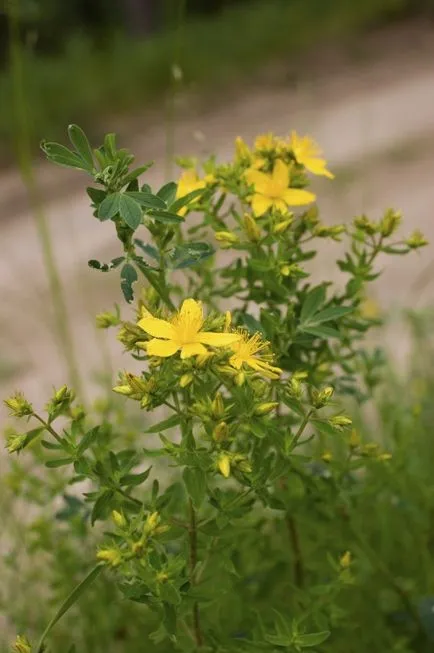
x: 383, y: 457
x: 228, y: 321
x: 15, y: 442
x: 111, y: 557
x: 60, y: 402
x: 283, y: 225
x: 137, y: 548
x: 340, y: 422
x: 265, y: 408
x: 295, y: 387
x: 130, y: 336
x: 354, y: 441
x: 151, y: 523
x: 240, y: 379
x: 416, y: 240
x: 203, y: 359
x: 363, y: 223
x: 224, y: 465
x: 21, y: 645
x: 322, y: 397
x: 18, y: 405
x: 106, y: 320
x: 327, y: 456
x: 217, y: 406
x: 186, y: 379
x: 118, y: 519
x: 241, y: 463
x: 345, y: 560
x: 390, y: 222
x: 251, y: 228
x: 242, y: 152
x: 221, y: 432
x: 225, y: 238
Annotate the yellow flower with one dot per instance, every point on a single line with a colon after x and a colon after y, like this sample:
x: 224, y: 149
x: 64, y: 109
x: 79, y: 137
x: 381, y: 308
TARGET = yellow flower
x: 245, y: 350
x: 266, y: 142
x: 271, y: 190
x: 187, y: 183
x: 308, y: 153
x: 183, y: 333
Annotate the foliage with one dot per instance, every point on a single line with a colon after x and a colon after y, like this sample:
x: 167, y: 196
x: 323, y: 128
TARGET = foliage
x: 246, y: 533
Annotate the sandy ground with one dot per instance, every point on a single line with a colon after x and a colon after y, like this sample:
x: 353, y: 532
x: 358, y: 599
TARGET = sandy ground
x: 372, y: 115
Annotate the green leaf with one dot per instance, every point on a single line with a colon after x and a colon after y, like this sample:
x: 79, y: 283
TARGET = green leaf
x: 97, y: 195
x: 128, y: 277
x: 69, y: 602
x: 102, y: 506
x: 59, y: 462
x: 252, y: 324
x: 321, y: 332
x: 186, y: 199
x: 312, y: 303
x: 170, y: 594
x: 106, y: 267
x: 323, y: 427
x: 195, y: 482
x: 168, y: 192
x: 331, y: 313
x: 131, y: 480
x: 189, y: 254
x: 62, y: 156
x: 109, y: 207
x: 110, y: 145
x: 169, y: 423
x: 79, y: 140
x: 312, y: 639
x: 87, y: 440
x: 130, y: 211
x: 147, y: 200
x: 165, y: 217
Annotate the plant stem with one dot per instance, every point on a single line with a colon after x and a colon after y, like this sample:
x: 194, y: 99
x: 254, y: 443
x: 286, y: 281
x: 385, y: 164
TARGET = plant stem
x: 23, y: 147
x: 301, y: 428
x: 192, y: 532
x: 49, y: 428
x: 295, y: 544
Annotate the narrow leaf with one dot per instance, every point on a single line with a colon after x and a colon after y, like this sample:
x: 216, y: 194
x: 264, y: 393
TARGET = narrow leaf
x: 147, y: 200
x: 69, y: 602
x: 62, y: 156
x: 169, y: 423
x: 312, y: 303
x: 79, y: 140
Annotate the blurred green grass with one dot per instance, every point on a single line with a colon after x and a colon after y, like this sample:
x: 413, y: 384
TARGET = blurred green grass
x: 89, y: 85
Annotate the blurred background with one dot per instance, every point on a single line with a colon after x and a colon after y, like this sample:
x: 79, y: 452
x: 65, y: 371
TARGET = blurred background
x: 185, y: 77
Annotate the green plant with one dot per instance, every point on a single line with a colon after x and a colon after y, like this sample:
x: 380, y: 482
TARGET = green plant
x: 245, y: 538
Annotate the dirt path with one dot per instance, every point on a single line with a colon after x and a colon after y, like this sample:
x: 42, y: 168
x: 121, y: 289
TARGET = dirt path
x: 373, y: 118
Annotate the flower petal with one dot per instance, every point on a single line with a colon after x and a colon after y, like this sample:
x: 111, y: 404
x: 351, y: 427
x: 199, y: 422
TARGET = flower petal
x: 267, y: 370
x: 280, y: 205
x: 281, y: 174
x: 163, y: 348
x: 298, y: 197
x: 217, y: 339
x: 236, y: 362
x: 318, y: 167
x: 192, y: 349
x: 258, y: 179
x: 157, y: 328
x: 260, y: 204
x: 191, y: 311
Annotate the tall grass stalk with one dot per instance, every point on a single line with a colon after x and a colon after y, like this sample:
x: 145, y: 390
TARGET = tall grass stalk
x: 23, y: 146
